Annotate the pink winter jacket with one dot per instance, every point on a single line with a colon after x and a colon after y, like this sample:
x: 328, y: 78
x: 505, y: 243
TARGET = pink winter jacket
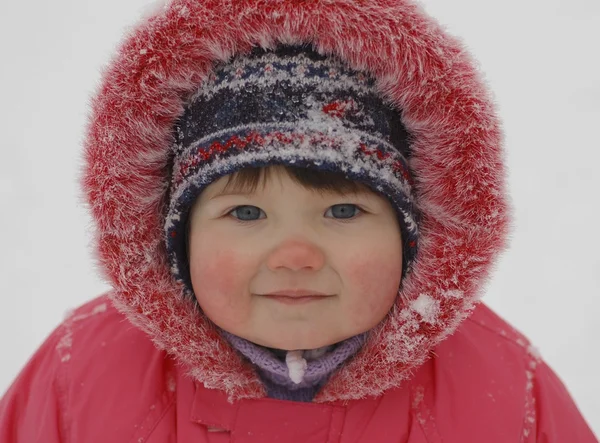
x: 97, y: 378
x: 143, y: 364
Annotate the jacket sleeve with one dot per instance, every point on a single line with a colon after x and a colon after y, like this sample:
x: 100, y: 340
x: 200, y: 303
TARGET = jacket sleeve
x: 557, y: 417
x: 31, y: 410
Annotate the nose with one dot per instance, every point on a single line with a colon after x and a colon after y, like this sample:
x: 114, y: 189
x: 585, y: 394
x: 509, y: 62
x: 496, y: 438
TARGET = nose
x: 296, y: 254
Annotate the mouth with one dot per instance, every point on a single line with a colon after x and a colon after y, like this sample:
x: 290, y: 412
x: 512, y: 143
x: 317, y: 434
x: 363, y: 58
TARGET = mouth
x: 295, y: 300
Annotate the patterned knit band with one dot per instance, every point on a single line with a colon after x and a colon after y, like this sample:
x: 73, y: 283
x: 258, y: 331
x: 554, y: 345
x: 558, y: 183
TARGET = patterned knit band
x: 295, y: 107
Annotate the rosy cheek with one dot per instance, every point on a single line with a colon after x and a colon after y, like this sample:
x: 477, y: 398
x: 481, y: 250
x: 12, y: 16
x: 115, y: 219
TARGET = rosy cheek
x: 214, y: 279
x: 374, y: 285
x: 223, y: 271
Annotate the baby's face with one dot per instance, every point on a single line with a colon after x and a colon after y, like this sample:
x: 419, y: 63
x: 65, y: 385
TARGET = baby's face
x: 287, y: 237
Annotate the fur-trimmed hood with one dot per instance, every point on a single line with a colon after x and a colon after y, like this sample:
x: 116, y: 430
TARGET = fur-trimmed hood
x: 457, y: 161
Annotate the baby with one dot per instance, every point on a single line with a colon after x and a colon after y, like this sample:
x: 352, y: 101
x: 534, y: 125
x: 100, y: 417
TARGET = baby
x: 297, y: 206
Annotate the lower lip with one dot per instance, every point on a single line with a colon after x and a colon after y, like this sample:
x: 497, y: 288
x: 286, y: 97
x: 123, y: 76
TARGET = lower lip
x: 295, y: 300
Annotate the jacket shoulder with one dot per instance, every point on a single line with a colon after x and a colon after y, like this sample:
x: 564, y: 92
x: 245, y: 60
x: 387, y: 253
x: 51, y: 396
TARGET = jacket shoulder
x: 490, y: 345
x: 549, y: 412
x: 486, y: 319
x: 94, y: 325
x: 93, y: 366
x: 484, y: 370
x: 114, y: 370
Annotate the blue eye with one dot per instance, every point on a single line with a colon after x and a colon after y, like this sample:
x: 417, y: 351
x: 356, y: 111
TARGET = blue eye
x: 247, y: 213
x: 346, y: 211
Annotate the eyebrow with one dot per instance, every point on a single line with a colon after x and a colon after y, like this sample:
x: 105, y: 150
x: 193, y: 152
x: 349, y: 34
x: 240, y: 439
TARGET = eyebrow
x: 223, y: 194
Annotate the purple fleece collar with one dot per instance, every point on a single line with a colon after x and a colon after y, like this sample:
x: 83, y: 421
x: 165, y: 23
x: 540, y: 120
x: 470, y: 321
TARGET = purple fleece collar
x: 274, y: 371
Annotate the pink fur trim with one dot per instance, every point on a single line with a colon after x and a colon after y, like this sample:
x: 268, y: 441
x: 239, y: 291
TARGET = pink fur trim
x: 458, y: 165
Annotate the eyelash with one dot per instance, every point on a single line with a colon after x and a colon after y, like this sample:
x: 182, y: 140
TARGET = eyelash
x: 347, y: 220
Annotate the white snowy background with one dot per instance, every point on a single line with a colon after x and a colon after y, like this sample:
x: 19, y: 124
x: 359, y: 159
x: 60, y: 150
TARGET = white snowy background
x: 539, y: 57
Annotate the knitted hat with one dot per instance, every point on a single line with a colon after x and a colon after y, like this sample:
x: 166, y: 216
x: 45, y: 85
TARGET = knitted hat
x: 290, y: 106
